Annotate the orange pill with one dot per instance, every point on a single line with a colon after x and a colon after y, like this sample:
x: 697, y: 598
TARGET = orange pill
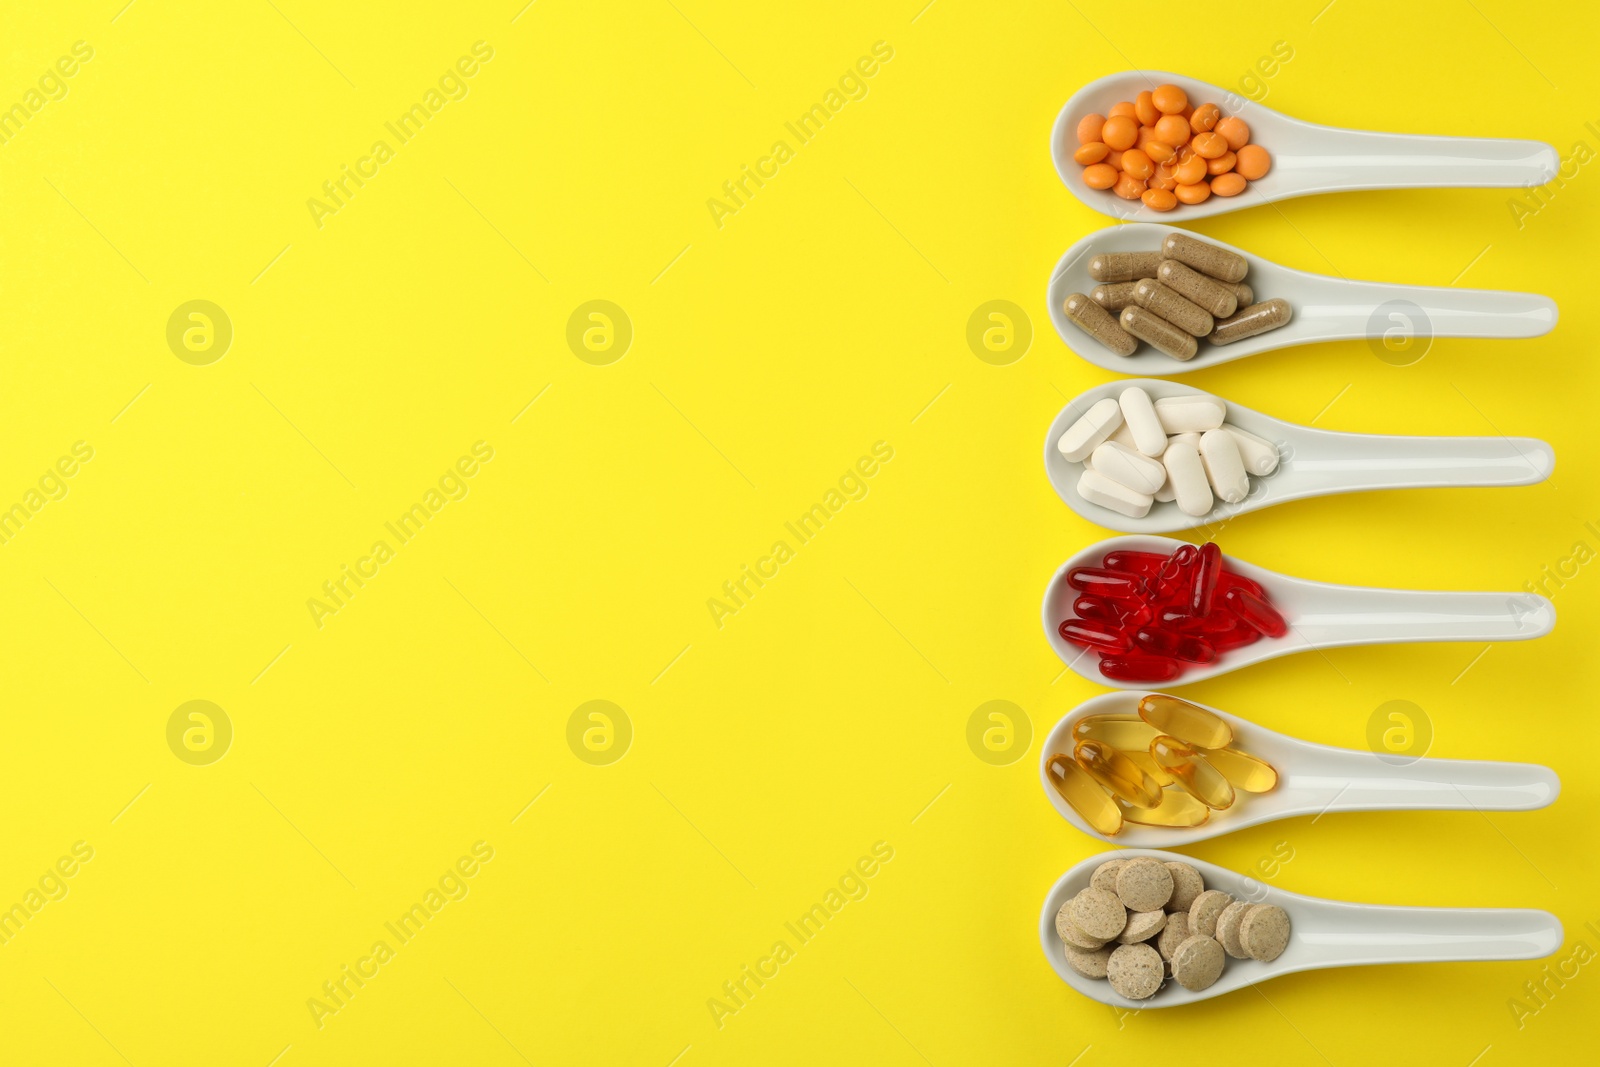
x: 1191, y: 171
x: 1169, y: 99
x: 1136, y: 164
x: 1228, y: 184
x: 1253, y: 162
x: 1089, y: 128
x: 1125, y: 109
x: 1222, y: 164
x: 1100, y: 176
x: 1234, y: 131
x: 1159, y: 200
x: 1172, y: 130
x: 1209, y: 145
x: 1120, y: 132
x: 1093, y: 152
x: 1144, y: 109
x: 1205, y: 118
x: 1128, y: 187
x: 1193, y: 194
x: 1163, y: 179
x: 1159, y: 151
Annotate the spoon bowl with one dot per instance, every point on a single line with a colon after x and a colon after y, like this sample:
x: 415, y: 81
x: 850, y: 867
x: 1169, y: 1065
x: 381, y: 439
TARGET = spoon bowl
x: 1323, y: 933
x: 1306, y: 157
x: 1311, y: 463
x: 1315, y: 779
x: 1320, y: 615
x: 1325, y: 308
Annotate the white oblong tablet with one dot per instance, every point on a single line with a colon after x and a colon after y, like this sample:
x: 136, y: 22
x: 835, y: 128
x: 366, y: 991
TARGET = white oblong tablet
x: 1139, y: 416
x: 1124, y: 436
x: 1096, y: 488
x: 1133, y: 469
x: 1166, y: 493
x: 1099, y: 423
x: 1186, y: 414
x: 1188, y: 477
x: 1224, y: 466
x: 1260, y: 455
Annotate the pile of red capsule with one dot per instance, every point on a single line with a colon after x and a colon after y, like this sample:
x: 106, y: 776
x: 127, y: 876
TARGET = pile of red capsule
x: 1151, y: 616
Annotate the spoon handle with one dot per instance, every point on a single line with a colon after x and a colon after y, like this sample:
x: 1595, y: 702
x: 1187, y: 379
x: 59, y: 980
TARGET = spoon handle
x: 1343, y: 935
x: 1333, y: 463
x: 1333, y: 616
x: 1363, y: 781
x: 1395, y: 315
x: 1337, y: 159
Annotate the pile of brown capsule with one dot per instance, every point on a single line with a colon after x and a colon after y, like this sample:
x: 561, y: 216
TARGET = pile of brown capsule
x: 1170, y: 299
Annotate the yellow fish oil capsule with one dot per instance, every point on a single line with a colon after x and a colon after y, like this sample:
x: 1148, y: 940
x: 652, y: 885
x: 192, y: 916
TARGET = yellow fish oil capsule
x: 1084, y: 795
x: 1148, y: 765
x: 1185, y: 721
x: 1117, y: 773
x: 1167, y: 338
x: 1177, y: 808
x: 1193, y: 774
x: 1126, y: 732
x: 1099, y: 323
x: 1244, y: 772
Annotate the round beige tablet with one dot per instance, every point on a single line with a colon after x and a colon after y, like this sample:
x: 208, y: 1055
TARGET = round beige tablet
x: 1105, y: 875
x: 1186, y: 885
x: 1098, y: 913
x: 1135, y: 971
x: 1197, y: 962
x: 1173, y: 934
x: 1071, y: 935
x: 1142, y: 926
x: 1228, y: 928
x: 1144, y: 884
x: 1264, y: 932
x: 1205, y: 909
x: 1091, y: 963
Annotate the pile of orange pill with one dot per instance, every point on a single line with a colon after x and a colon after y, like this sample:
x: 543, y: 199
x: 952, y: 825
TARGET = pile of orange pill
x: 1163, y: 150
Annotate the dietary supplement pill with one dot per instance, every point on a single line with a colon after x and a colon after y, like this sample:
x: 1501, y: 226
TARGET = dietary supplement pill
x: 1161, y: 299
x: 1264, y: 934
x: 1197, y: 962
x: 1100, y: 914
x: 1105, y: 875
x: 1204, y: 911
x: 1187, y: 884
x: 1096, y: 424
x: 1253, y: 320
x: 1219, y: 453
x: 1091, y: 963
x: 1098, y: 323
x: 1114, y: 296
x: 1190, y: 414
x: 1142, y: 926
x: 1139, y: 416
x: 1217, y: 298
x: 1221, y: 264
x: 1167, y: 338
x: 1144, y: 884
x: 1187, y: 476
x: 1173, y: 934
x: 1228, y: 928
x: 1125, y: 266
x: 1135, y: 971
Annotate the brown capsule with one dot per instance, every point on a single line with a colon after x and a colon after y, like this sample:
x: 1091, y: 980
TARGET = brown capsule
x: 1124, y: 266
x: 1147, y: 326
x: 1098, y: 323
x: 1244, y: 295
x: 1113, y: 297
x: 1166, y: 302
x: 1216, y: 297
x: 1206, y: 258
x: 1255, y: 319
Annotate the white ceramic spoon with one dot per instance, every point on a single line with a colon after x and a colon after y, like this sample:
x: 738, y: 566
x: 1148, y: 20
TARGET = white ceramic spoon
x: 1322, y: 933
x: 1306, y: 158
x: 1320, y: 615
x: 1314, y: 780
x: 1325, y: 308
x: 1311, y: 463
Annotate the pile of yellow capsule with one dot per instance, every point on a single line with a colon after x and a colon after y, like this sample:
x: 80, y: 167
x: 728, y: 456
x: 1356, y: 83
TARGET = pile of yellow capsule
x: 1172, y: 765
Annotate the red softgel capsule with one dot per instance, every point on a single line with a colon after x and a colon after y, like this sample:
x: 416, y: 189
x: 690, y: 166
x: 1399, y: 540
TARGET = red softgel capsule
x: 1137, y: 668
x: 1097, y: 635
x: 1205, y: 572
x: 1156, y: 641
x: 1102, y: 582
x: 1229, y: 580
x: 1256, y: 612
x: 1137, y: 562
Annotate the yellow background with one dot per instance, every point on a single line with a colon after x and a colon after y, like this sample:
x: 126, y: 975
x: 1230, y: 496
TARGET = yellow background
x: 768, y: 354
